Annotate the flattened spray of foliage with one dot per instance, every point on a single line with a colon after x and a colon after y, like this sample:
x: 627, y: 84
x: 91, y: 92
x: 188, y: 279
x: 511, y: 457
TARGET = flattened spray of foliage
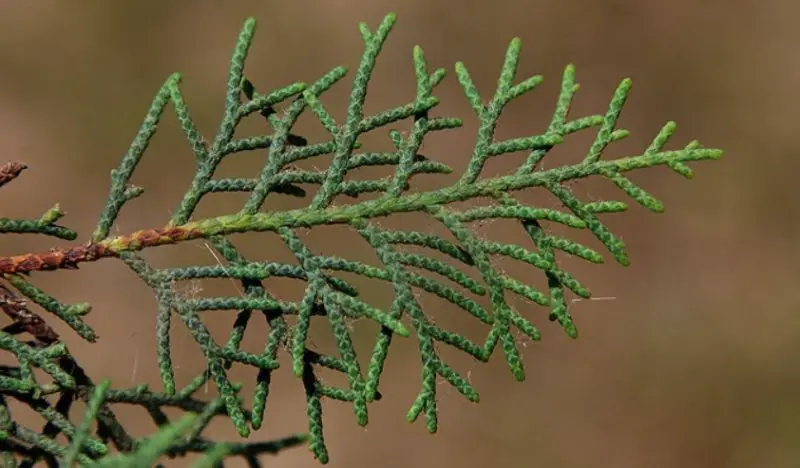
x: 469, y: 271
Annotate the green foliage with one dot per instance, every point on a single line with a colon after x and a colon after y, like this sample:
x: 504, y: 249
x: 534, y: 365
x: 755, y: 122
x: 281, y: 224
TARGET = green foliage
x: 326, y: 295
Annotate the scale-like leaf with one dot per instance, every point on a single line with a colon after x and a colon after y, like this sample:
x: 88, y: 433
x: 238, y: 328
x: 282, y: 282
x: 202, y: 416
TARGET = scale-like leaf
x: 469, y: 270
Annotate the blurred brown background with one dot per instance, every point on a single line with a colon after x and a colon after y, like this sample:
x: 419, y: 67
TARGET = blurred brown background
x: 693, y: 363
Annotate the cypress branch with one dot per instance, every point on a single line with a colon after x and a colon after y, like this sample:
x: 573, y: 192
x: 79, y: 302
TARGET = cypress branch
x: 326, y: 296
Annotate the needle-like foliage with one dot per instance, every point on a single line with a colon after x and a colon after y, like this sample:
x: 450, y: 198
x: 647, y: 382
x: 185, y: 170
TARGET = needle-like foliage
x: 470, y: 271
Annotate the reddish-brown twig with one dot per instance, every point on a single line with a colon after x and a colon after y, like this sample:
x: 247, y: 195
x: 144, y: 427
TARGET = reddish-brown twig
x: 9, y: 171
x: 25, y: 320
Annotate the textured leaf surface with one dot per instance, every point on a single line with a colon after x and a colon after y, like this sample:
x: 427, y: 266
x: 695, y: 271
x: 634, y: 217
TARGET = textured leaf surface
x: 469, y: 272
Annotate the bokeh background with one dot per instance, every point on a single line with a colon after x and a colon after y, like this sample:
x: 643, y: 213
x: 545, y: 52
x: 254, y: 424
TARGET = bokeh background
x: 690, y: 361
